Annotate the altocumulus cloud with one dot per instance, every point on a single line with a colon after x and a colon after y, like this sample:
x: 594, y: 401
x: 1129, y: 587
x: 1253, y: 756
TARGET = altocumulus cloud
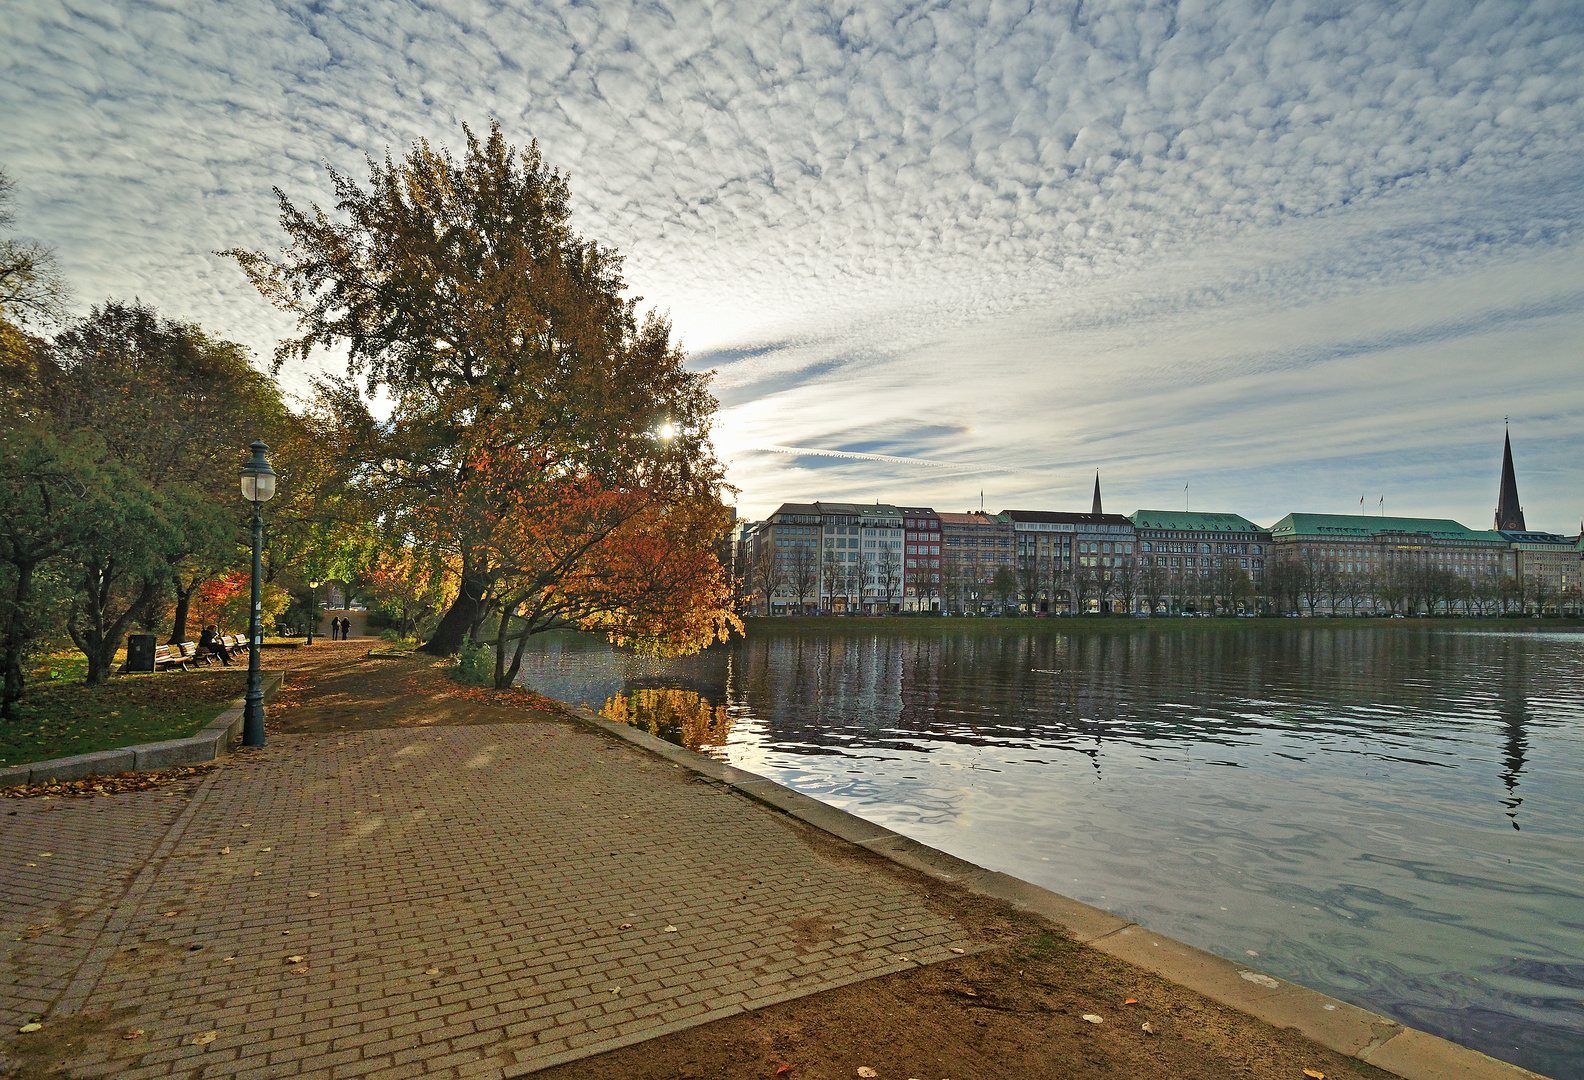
x: 1293, y: 252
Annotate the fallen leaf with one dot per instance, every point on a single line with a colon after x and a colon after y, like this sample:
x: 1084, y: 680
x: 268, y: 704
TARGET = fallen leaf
x: 615, y: 989
x: 1145, y: 1026
x: 1131, y: 1001
x: 225, y: 851
x: 171, y: 914
x: 312, y: 895
x: 295, y: 959
x: 30, y: 1027
x: 205, y: 1038
x: 432, y: 971
x: 866, y: 1071
x: 670, y: 929
x: 45, y: 854
x: 1316, y: 1074
x: 956, y: 950
x: 1093, y: 1019
x: 132, y: 1033
x: 228, y: 959
x: 625, y: 926
x: 39, y: 926
x: 266, y: 849
x: 783, y: 1069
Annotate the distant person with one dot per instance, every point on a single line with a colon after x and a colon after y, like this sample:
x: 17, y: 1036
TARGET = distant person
x: 209, y: 642
x: 346, y: 627
x: 335, y: 628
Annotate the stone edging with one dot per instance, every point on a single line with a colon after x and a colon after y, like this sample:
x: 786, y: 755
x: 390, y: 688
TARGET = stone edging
x: 1333, y: 1023
x: 212, y: 742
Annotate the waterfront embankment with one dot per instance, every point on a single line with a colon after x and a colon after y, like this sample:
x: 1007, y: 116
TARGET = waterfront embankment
x: 420, y: 878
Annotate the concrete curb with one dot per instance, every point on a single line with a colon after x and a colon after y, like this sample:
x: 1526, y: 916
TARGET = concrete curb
x: 1335, y: 1024
x: 212, y: 742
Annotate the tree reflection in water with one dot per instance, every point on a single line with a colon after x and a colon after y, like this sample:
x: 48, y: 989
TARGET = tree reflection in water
x: 678, y: 716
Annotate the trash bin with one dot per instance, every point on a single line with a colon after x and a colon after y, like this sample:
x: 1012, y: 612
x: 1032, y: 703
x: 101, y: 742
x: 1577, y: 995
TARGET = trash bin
x: 140, y: 652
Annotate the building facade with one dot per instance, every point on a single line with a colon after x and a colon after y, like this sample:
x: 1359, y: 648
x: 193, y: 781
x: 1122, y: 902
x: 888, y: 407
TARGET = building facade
x: 921, y: 559
x: 1074, y: 563
x: 974, y: 547
x: 1190, y: 562
x: 1365, y: 565
x: 1545, y: 569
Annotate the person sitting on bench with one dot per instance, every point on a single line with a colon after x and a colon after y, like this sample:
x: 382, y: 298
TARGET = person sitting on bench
x: 210, y: 642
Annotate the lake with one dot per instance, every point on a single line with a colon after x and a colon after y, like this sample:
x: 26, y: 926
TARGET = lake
x: 1391, y: 814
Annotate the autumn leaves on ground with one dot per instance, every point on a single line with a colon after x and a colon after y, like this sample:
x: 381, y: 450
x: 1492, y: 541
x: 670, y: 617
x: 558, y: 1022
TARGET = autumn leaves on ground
x: 1017, y: 1009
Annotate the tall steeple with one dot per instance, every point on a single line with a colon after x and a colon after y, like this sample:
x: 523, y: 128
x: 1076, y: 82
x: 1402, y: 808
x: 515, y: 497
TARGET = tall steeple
x: 1509, y: 514
x: 1097, y: 509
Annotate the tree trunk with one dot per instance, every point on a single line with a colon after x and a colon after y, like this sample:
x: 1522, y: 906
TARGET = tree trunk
x: 463, y: 614
x: 14, y: 639
x: 178, y: 632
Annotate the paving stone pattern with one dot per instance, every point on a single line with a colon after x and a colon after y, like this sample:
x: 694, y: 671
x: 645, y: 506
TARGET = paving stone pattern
x: 64, y: 863
x: 467, y: 901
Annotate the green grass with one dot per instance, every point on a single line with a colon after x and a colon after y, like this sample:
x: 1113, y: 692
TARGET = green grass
x: 61, y: 717
x: 1112, y: 624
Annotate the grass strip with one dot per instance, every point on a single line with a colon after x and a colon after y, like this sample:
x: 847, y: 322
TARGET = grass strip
x: 62, y: 717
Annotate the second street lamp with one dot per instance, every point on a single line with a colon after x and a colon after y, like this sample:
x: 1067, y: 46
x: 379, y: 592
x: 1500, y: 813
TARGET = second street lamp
x: 258, y: 488
x: 313, y: 608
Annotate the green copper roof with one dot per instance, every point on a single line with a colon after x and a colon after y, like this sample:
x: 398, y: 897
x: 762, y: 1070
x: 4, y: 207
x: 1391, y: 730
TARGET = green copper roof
x: 1364, y: 526
x: 1182, y: 519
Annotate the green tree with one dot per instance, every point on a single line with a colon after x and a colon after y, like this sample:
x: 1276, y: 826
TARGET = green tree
x: 49, y: 497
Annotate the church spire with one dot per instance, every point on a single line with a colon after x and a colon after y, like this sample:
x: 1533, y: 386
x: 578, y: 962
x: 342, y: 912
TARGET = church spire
x: 1509, y: 514
x: 1097, y: 509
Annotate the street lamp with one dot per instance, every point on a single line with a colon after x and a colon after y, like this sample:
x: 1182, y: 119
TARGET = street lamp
x: 258, y: 488
x: 313, y: 608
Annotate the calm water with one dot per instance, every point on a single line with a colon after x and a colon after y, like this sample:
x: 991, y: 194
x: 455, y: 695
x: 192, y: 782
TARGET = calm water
x: 1394, y: 816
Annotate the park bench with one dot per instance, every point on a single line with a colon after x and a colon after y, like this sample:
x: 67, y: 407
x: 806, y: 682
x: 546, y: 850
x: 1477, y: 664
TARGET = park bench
x: 167, y: 657
x: 185, y: 654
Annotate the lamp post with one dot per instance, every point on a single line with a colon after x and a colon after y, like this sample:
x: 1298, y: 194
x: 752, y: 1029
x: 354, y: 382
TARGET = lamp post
x: 313, y: 608
x: 258, y: 487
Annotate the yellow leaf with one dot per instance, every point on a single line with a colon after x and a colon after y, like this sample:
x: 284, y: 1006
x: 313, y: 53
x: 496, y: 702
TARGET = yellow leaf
x: 1314, y: 1074
x: 205, y: 1038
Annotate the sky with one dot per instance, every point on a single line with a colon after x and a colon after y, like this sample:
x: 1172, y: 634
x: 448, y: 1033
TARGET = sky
x: 1243, y: 257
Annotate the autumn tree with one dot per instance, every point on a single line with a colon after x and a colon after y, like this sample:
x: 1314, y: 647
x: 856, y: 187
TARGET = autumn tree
x: 635, y: 563
x: 459, y: 288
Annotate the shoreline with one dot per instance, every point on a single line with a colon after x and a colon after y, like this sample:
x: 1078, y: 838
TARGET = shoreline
x: 1333, y: 1023
x: 895, y: 624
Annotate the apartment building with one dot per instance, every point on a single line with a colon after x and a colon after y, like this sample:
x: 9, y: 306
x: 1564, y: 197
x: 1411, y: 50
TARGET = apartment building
x: 921, y: 568
x: 974, y: 547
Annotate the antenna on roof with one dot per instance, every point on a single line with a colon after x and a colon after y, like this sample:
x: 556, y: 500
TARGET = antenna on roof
x: 1185, y: 496
x: 981, y: 500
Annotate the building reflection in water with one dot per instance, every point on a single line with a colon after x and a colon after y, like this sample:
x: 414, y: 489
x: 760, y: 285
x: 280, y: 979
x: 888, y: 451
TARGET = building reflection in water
x: 1207, y: 694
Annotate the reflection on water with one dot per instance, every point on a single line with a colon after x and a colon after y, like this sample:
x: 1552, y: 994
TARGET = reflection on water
x: 679, y: 716
x: 1392, y: 815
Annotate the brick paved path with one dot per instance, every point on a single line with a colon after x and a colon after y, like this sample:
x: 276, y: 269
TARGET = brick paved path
x: 469, y: 901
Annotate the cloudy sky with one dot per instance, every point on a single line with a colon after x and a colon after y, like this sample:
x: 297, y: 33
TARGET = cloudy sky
x: 1286, y: 254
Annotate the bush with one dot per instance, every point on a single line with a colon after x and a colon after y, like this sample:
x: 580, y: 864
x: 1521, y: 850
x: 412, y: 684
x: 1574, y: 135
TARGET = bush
x: 475, y: 665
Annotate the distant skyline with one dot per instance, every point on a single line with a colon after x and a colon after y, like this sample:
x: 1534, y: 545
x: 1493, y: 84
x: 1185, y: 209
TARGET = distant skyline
x: 1291, y: 254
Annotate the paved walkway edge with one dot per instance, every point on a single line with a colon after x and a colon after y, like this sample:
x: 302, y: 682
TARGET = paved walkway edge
x: 209, y: 744
x: 1331, y: 1022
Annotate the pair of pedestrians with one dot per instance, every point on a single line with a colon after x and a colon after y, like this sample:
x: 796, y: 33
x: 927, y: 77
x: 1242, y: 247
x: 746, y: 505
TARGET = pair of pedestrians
x: 340, y: 628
